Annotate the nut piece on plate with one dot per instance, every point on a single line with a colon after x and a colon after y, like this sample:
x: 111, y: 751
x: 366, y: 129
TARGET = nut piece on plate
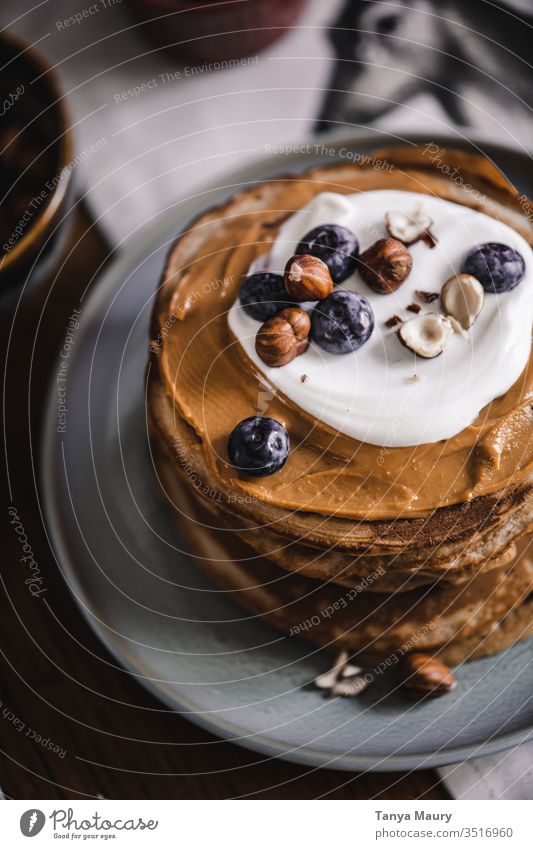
x: 282, y: 338
x: 350, y: 686
x: 307, y: 278
x: 326, y: 680
x: 427, y: 335
x: 427, y: 297
x: 408, y: 227
x: 462, y: 297
x: 343, y: 679
x: 385, y: 265
x: 425, y: 677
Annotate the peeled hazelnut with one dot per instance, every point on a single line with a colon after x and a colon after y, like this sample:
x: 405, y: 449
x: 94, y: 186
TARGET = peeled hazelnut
x: 307, y: 278
x: 425, y: 677
x: 462, y: 298
x: 283, y: 337
x: 408, y: 228
x: 427, y: 335
x: 385, y: 265
x: 299, y: 321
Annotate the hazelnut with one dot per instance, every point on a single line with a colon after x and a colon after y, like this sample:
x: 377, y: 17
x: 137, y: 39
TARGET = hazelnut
x: 425, y: 677
x: 307, y: 278
x: 385, y: 265
x: 462, y: 298
x: 427, y: 335
x: 282, y: 338
x: 299, y: 321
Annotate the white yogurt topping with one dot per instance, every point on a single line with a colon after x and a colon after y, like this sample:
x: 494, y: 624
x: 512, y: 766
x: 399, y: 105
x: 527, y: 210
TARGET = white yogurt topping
x: 372, y: 394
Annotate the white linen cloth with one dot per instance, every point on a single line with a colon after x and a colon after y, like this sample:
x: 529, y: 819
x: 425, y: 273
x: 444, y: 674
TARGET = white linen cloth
x: 507, y: 775
x: 140, y: 149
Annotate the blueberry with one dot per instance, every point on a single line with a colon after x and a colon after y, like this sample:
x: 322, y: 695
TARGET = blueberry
x: 342, y: 322
x: 258, y: 446
x: 263, y: 295
x: 498, y: 268
x: 336, y: 246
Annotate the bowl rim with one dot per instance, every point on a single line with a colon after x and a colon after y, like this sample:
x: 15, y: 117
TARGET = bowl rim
x: 57, y: 195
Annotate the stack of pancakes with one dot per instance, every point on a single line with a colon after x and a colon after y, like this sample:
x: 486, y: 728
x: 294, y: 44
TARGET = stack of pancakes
x: 350, y: 545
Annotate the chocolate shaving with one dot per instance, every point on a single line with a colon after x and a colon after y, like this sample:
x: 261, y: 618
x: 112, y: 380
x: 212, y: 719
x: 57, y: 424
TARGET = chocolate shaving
x: 429, y: 239
x: 393, y: 321
x: 414, y: 308
x: 427, y: 297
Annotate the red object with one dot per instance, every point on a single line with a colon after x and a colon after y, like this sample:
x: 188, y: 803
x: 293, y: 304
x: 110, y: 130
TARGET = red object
x: 214, y: 31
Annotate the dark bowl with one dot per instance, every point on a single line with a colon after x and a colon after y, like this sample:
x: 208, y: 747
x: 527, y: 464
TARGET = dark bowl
x: 35, y: 161
x: 218, y: 30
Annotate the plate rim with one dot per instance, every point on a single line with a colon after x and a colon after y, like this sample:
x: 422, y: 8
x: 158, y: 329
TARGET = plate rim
x: 134, y: 249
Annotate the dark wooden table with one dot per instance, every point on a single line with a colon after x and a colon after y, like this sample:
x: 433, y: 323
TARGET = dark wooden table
x: 73, y: 724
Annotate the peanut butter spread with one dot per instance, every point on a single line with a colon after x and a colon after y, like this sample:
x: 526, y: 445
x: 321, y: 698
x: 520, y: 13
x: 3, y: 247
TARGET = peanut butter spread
x: 213, y: 385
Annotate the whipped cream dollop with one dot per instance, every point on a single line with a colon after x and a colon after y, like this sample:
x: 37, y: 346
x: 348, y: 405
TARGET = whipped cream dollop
x: 383, y: 393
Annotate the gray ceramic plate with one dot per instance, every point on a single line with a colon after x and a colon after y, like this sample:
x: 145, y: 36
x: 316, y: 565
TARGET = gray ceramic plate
x: 180, y: 637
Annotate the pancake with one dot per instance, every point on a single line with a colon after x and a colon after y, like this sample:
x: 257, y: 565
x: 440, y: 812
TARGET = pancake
x: 452, y: 545
x: 381, y: 549
x: 488, y: 613
x: 468, y: 512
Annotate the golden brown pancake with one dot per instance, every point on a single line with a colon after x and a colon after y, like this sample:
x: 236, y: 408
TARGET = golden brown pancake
x: 411, y: 547
x: 452, y: 544
x: 467, y: 513
x: 457, y: 623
